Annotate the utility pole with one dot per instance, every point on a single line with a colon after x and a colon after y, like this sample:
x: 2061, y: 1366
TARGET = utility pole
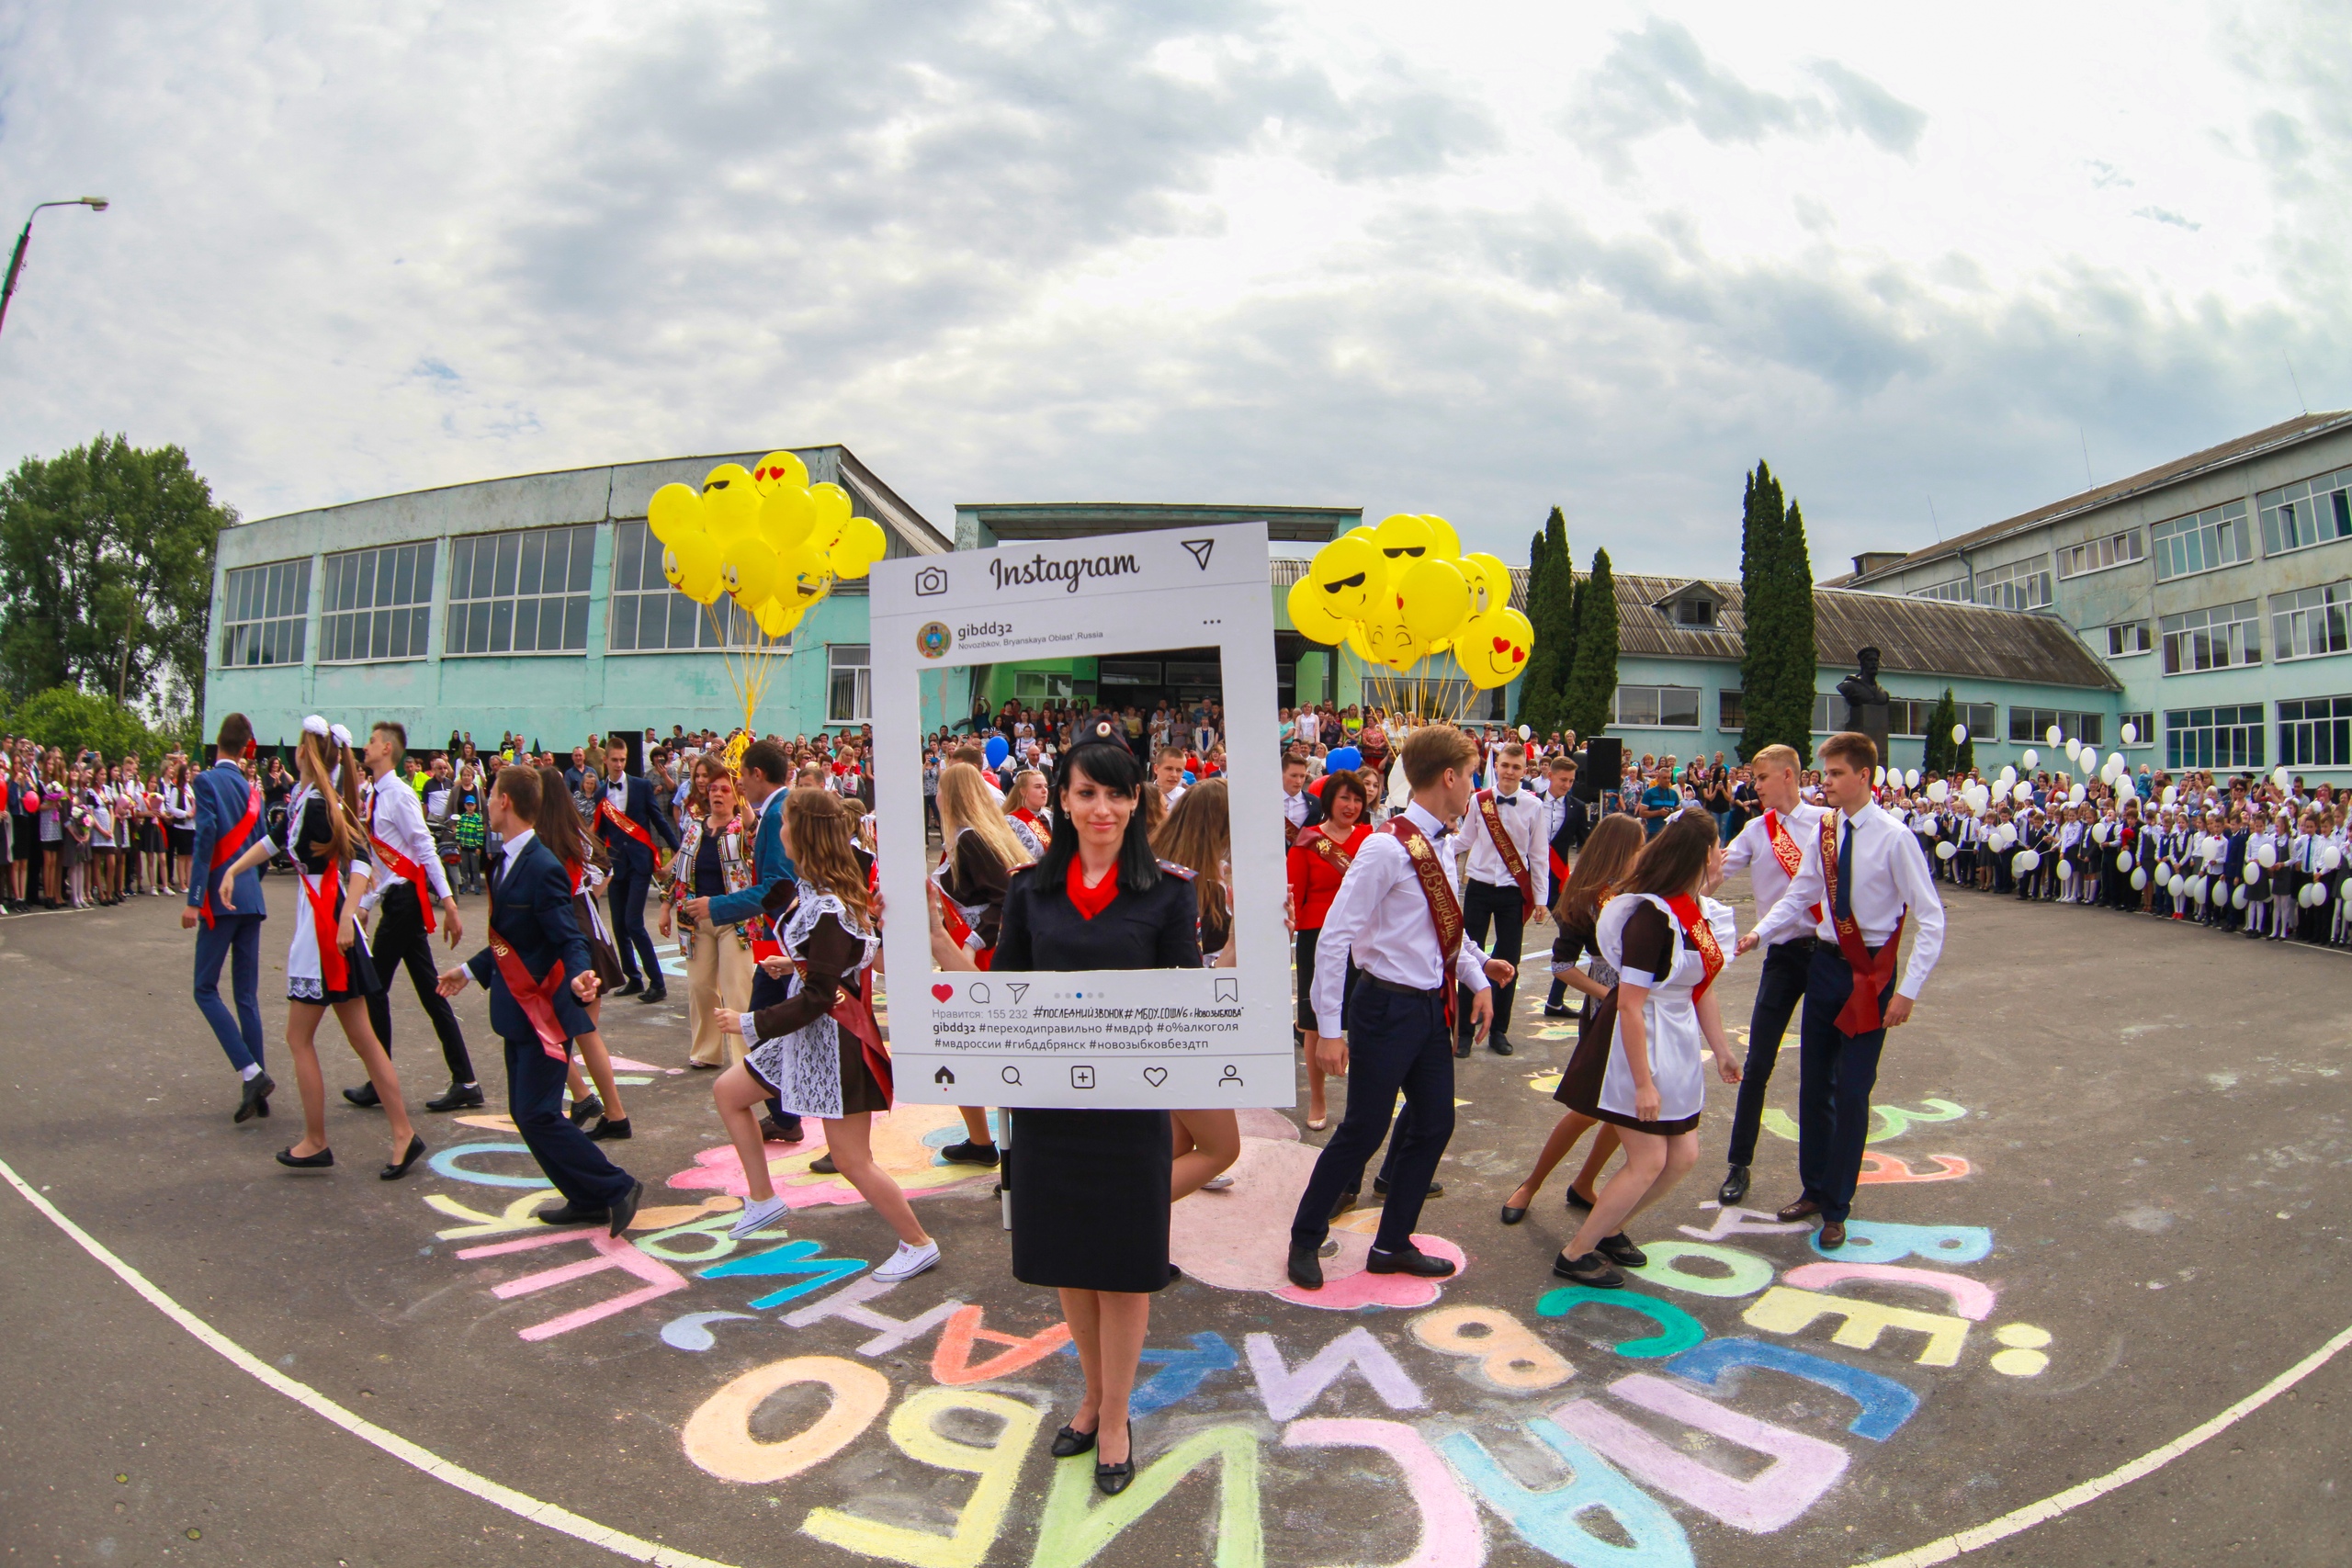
x: 24, y: 238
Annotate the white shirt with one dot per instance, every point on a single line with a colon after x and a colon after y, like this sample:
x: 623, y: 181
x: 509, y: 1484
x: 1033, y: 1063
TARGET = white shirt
x: 1294, y: 809
x: 1525, y: 817
x: 1752, y: 852
x: 514, y: 847
x: 1890, y: 876
x: 1382, y: 917
x: 395, y: 816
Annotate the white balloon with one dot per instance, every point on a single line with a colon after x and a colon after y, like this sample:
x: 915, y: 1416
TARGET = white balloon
x: 2073, y: 748
x: 2123, y: 861
x: 2172, y: 794
x: 1938, y: 791
x: 1525, y: 733
x: 2098, y: 832
x: 2164, y: 871
x: 2123, y: 785
x: 2266, y: 854
x: 1911, y: 778
x: 1928, y: 827
x: 2330, y: 857
x: 2051, y: 736
x: 2176, y: 886
x: 2252, y: 874
x: 2022, y: 795
x: 1946, y: 850
x: 2131, y: 734
x: 2074, y: 796
x: 2139, y: 880
x: 1960, y: 735
x: 2344, y: 890
x: 2282, y: 778
x: 2029, y: 860
x: 2115, y: 760
x: 2237, y: 900
x: 2007, y: 773
x: 2065, y: 870
x: 1877, y: 776
x: 2031, y: 758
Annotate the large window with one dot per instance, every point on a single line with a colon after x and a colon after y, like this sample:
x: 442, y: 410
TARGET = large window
x: 2030, y: 727
x: 2315, y: 732
x: 520, y: 593
x: 1731, y: 712
x: 379, y: 604
x: 2020, y: 585
x: 849, y: 687
x: 1655, y: 707
x: 2310, y: 512
x: 2217, y: 537
x: 2213, y: 737
x: 1956, y: 591
x: 2218, y: 638
x: 2097, y: 555
x: 2136, y: 729
x: 648, y: 616
x: 2127, y: 637
x: 1905, y: 717
x: 2310, y: 621
x: 263, y: 610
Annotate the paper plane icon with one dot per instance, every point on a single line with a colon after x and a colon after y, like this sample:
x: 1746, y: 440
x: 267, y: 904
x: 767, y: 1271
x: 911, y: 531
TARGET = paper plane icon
x: 1018, y: 988
x: 1200, y: 548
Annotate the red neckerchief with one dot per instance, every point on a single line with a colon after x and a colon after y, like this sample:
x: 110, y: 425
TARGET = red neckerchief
x: 1091, y: 901
x: 1025, y: 814
x: 1700, y: 935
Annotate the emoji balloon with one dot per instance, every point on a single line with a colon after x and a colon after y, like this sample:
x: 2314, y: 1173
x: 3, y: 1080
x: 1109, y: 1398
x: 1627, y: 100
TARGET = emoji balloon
x: 779, y: 468
x: 1347, y: 574
x: 1492, y: 648
x: 1445, y: 544
x: 1490, y: 581
x: 1308, y: 616
x: 676, y: 509
x: 862, y: 543
x: 750, y: 571
x: 1432, y: 597
x: 775, y: 618
x: 787, y: 515
x: 1402, y: 540
x: 690, y: 564
x: 730, y: 506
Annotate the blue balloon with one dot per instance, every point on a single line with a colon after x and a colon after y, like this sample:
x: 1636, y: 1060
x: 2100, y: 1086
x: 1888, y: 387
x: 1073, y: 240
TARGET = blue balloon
x: 1189, y: 779
x: 1343, y: 759
x: 997, y: 751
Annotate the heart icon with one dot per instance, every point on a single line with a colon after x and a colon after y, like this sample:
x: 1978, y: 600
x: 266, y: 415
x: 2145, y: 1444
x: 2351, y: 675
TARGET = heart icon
x: 941, y: 993
x: 1502, y: 645
x: 1155, y: 1076
x: 1517, y: 655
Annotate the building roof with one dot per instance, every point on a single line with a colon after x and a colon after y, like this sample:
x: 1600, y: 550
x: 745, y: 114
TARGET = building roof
x: 1920, y: 637
x: 1078, y: 519
x: 2288, y: 433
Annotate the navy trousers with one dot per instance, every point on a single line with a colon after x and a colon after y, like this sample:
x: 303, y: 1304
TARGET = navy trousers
x: 1395, y: 1041
x: 1834, y: 1094
x: 534, y: 1099
x: 629, y: 884
x: 236, y: 938
x: 1788, y: 965
x: 1482, y: 902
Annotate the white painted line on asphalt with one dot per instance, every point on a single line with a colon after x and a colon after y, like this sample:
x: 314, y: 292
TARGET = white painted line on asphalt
x: 521, y: 1504
x: 2032, y: 1514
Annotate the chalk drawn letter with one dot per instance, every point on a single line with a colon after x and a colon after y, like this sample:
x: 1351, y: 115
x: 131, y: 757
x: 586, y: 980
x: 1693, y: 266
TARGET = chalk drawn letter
x: 718, y: 1436
x: 1802, y: 1468
x: 1505, y: 1355
x: 848, y: 1304
x: 1735, y: 1221
x: 1180, y: 1372
x: 660, y: 1279
x: 1877, y: 1241
x: 1288, y: 1394
x: 952, y: 1361
x: 1894, y: 1120
x: 1072, y: 1534
x: 1970, y: 1298
x: 1450, y: 1536
x: 914, y: 1429
x: 1783, y: 1310
x: 1886, y: 1404
x: 792, y: 1257
x: 1886, y: 1170
x: 1745, y: 1275
x: 1677, y: 1329
x: 1547, y: 1521
x: 522, y: 1214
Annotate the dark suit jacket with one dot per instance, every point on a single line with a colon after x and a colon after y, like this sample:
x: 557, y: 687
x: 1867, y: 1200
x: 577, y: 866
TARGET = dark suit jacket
x: 530, y: 906
x: 222, y: 796
x: 626, y: 853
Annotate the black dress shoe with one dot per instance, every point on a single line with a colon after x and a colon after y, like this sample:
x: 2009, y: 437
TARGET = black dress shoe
x: 1306, y: 1269
x: 461, y: 1097
x: 632, y: 988
x: 1380, y: 1188
x: 1408, y: 1260
x: 569, y: 1214
x: 363, y: 1097
x: 1512, y: 1216
x: 1577, y: 1200
x: 319, y: 1161
x: 969, y: 1153
x: 1112, y: 1478
x: 1070, y: 1442
x: 656, y: 992
x: 1342, y: 1203
x: 1734, y: 1186
x: 1498, y: 1043
x: 823, y: 1165
x: 1620, y: 1249
x: 1832, y: 1236
x: 607, y: 1131
x: 584, y: 1109
x: 1553, y: 1010
x: 624, y: 1208
x: 1461, y: 1049
x: 255, y: 1099
x: 1591, y: 1269
x: 415, y: 1153
x: 1802, y: 1208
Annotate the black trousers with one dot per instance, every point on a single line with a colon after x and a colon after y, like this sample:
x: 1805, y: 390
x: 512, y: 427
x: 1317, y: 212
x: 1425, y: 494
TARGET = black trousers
x: 1396, y: 1041
x: 1787, y: 967
x: 629, y: 885
x: 534, y: 1099
x: 400, y: 942
x: 1482, y: 901
x: 1834, y: 1094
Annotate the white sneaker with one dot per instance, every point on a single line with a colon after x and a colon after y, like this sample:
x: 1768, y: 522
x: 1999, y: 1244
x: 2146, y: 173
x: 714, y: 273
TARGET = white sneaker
x: 755, y: 1216
x: 908, y: 1261
x: 1216, y: 1184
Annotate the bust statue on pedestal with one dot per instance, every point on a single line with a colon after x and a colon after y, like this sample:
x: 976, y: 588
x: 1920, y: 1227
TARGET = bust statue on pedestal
x: 1866, y: 700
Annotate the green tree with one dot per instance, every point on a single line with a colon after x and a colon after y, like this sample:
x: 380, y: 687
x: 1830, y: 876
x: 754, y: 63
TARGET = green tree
x: 74, y: 720
x: 1939, y: 747
x: 1590, y: 695
x: 1777, y: 662
x: 1551, y: 610
x: 106, y: 574
x: 1800, y: 661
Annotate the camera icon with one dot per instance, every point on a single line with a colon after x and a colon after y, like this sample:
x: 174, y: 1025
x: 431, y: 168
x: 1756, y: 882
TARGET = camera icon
x: 931, y: 579
x: 1081, y: 1077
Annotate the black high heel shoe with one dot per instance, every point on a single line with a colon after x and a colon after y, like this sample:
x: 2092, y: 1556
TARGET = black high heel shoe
x: 1070, y: 1442
x: 415, y: 1153
x: 319, y: 1161
x: 1112, y: 1478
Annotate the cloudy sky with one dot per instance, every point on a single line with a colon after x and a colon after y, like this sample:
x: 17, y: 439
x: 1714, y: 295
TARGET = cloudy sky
x: 1473, y: 261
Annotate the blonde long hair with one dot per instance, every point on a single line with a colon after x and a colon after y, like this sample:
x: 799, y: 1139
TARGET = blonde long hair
x: 963, y: 803
x: 821, y: 826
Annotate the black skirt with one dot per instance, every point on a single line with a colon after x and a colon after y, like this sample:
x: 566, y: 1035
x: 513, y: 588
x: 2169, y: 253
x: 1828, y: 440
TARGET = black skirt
x: 1090, y: 1198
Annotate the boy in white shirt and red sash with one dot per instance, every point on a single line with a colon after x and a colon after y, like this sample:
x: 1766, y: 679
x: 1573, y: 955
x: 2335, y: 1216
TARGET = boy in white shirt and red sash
x: 1862, y: 879
x: 1507, y: 880
x: 1398, y: 915
x: 1771, y: 850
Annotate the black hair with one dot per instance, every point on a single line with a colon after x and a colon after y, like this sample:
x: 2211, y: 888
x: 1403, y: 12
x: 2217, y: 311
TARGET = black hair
x: 1102, y: 755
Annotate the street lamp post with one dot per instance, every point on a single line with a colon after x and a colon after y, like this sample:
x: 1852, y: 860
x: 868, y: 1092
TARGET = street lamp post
x: 23, y: 237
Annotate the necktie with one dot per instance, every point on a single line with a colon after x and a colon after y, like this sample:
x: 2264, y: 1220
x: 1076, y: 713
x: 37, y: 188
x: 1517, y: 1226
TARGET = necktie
x: 1844, y: 906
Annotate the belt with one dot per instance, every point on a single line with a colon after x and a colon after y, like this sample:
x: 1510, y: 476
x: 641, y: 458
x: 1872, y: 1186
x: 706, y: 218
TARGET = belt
x: 1404, y: 990
x: 1798, y: 943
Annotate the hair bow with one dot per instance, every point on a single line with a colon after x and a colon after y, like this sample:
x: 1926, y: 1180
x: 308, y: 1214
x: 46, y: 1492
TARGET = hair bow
x: 316, y: 726
x: 342, y: 736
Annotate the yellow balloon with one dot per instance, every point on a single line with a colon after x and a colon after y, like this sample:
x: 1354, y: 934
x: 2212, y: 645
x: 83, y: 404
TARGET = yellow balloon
x: 750, y: 571
x: 1308, y: 616
x: 691, y: 563
x: 1356, y: 643
x: 1446, y: 543
x: 676, y: 509
x: 1348, y: 573
x: 802, y: 578
x: 1490, y: 581
x: 725, y: 477
x: 861, y: 545
x: 779, y: 468
x: 775, y: 619
x: 1433, y: 598
x: 787, y: 516
x: 1390, y: 641
x: 1492, y: 648
x: 1359, y: 532
x: 1402, y: 540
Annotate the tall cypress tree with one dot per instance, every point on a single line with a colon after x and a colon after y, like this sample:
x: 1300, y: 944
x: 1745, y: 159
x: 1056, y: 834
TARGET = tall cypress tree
x: 1551, y: 610
x: 1939, y: 747
x: 1793, y: 604
x: 1591, y: 691
x: 1762, y: 524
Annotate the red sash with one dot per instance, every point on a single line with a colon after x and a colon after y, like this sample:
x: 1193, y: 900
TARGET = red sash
x: 1446, y: 910
x: 1559, y: 870
x: 855, y: 1013
x: 402, y: 867
x: 626, y: 823
x: 333, y: 972
x: 1700, y: 935
x: 1787, y: 851
x: 232, y: 846
x: 1872, y: 971
x: 1335, y: 857
x: 536, y: 997
x: 1514, y: 862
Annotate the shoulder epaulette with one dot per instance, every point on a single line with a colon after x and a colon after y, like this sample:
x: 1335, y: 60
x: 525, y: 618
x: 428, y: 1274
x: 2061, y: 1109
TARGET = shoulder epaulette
x: 1172, y: 869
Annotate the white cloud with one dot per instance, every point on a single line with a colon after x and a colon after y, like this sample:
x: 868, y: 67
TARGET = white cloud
x: 1013, y: 249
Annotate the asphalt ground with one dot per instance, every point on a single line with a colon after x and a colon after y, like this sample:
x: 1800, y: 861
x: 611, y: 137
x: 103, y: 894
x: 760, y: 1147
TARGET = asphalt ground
x: 2137, y: 1133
